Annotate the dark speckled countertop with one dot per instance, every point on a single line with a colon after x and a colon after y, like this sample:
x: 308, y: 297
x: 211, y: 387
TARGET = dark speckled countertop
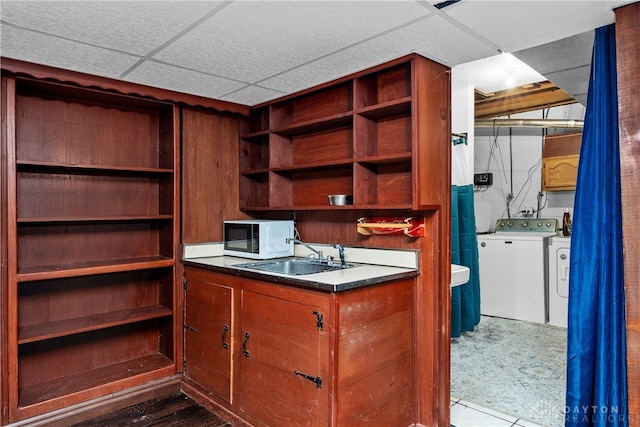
x: 403, y: 265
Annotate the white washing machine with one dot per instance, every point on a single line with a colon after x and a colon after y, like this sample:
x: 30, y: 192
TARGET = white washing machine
x: 559, y: 257
x: 513, y: 265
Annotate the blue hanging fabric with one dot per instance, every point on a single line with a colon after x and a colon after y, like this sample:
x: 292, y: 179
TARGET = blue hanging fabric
x: 596, y: 355
x: 465, y: 299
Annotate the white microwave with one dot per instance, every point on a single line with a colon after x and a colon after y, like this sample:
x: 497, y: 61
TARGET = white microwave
x: 258, y: 238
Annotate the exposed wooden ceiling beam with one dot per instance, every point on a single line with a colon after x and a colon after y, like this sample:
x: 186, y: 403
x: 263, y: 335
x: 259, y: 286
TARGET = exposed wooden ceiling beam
x: 535, y: 96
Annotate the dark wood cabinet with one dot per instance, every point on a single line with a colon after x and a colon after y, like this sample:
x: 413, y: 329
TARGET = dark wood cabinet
x: 373, y: 134
x: 208, y: 336
x: 91, y: 212
x: 310, y: 358
x: 284, y: 360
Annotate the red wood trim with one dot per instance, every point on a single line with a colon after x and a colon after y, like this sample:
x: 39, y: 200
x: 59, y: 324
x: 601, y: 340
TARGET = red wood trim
x: 628, y: 61
x: 7, y: 118
x: 90, y: 81
x: 9, y: 238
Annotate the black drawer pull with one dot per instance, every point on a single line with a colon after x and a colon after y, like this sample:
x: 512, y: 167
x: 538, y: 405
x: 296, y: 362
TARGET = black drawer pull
x: 225, y: 344
x: 245, y: 352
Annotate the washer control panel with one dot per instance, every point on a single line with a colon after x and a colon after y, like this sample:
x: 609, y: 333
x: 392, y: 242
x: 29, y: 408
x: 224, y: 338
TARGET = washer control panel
x: 527, y: 225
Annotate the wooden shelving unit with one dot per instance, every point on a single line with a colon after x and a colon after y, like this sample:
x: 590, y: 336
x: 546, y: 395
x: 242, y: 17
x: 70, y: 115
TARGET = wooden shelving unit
x: 357, y: 135
x: 92, y: 183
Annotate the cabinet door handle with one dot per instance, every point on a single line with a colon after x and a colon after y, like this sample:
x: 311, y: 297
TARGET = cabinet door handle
x: 245, y: 352
x: 319, y: 320
x: 225, y: 344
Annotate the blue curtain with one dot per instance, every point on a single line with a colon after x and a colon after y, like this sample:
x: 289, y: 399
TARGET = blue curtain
x: 596, y: 356
x: 465, y: 299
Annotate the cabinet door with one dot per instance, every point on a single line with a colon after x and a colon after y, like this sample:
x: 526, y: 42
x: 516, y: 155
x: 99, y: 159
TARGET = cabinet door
x: 284, y: 362
x: 208, y: 338
x: 560, y: 173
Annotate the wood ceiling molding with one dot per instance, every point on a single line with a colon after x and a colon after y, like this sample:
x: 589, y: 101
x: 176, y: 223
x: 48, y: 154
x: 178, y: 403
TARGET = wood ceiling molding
x: 530, y: 97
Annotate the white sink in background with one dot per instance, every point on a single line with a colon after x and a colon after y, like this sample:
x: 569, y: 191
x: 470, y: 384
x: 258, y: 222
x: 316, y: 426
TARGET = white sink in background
x: 459, y: 275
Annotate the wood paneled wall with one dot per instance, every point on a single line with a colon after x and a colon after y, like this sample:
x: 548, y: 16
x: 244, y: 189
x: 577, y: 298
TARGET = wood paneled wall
x: 628, y: 64
x: 210, y: 174
x: 432, y: 296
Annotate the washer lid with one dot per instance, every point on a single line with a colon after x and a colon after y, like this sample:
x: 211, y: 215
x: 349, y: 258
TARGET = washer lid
x: 516, y: 236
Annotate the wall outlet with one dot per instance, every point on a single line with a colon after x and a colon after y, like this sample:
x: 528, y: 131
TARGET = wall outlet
x: 483, y: 179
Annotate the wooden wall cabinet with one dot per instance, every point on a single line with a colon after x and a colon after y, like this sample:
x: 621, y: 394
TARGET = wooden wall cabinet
x: 560, y: 157
x: 560, y: 173
x: 92, y: 229
x: 374, y: 134
x: 311, y: 358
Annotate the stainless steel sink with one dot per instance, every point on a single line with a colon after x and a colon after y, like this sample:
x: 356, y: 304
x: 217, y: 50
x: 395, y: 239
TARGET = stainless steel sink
x: 293, y: 266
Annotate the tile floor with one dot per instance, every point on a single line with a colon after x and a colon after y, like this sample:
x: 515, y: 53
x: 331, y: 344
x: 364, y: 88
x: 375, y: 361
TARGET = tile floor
x: 527, y: 381
x: 467, y: 414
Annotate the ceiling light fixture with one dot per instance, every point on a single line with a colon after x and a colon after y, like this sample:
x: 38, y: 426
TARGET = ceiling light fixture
x: 510, y: 80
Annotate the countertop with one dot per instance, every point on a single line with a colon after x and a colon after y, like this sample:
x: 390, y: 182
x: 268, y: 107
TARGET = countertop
x: 403, y: 265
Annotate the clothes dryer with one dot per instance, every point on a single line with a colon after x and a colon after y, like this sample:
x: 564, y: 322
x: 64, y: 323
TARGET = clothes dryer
x: 559, y: 258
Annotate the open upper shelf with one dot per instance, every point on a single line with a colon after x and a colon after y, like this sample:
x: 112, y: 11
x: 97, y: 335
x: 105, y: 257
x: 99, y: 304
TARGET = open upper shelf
x: 367, y: 134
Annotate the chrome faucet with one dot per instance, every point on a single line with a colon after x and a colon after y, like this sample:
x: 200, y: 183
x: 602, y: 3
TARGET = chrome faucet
x: 340, y: 249
x: 319, y: 253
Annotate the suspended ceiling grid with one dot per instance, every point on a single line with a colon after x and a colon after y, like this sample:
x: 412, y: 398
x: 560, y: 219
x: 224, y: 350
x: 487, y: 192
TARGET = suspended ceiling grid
x: 250, y: 52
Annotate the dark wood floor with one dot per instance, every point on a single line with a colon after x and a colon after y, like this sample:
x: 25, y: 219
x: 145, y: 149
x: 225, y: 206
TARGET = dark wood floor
x: 173, y: 410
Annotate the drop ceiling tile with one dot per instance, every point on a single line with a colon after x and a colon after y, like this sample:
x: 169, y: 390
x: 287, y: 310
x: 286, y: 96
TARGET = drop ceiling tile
x: 574, y: 81
x: 430, y: 37
x: 128, y: 26
x: 518, y: 25
x: 570, y: 52
x: 327, y: 69
x: 581, y: 98
x: 56, y: 52
x: 443, y: 41
x: 182, y: 80
x: 251, y: 95
x: 250, y: 40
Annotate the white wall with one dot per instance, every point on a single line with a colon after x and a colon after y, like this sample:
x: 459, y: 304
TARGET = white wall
x: 462, y: 112
x: 493, y: 151
x: 486, y: 152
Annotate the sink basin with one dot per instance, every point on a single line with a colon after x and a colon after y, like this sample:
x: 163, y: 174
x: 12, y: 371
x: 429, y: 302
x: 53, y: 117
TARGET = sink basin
x: 459, y: 275
x: 292, y: 266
